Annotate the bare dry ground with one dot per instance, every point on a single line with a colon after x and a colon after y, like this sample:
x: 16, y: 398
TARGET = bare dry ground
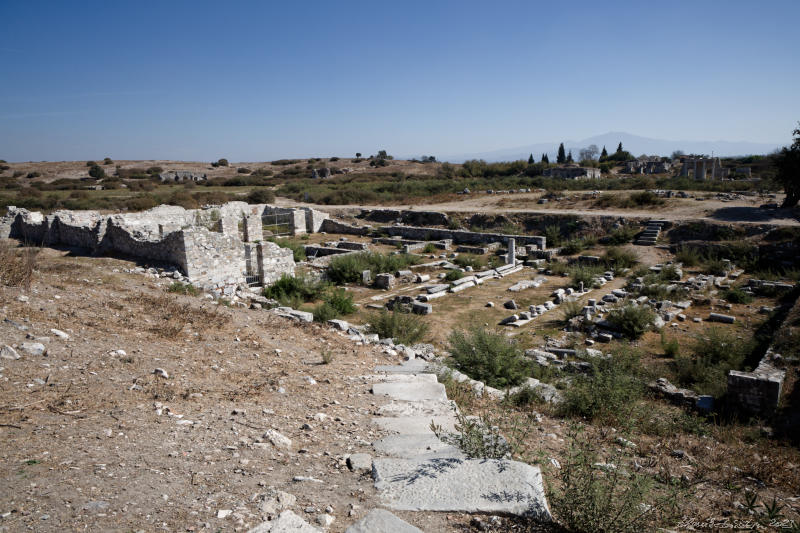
x: 93, y: 440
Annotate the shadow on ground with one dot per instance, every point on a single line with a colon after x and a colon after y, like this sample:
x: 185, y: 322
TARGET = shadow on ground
x: 754, y: 214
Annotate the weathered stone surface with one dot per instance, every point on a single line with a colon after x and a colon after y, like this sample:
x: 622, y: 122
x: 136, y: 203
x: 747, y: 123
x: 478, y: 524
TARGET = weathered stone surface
x: 461, y: 485
x: 33, y: 348
x: 381, y: 521
x: 717, y: 317
x: 360, y: 462
x: 277, y: 439
x: 416, y: 425
x: 408, y: 446
x: 287, y: 522
x: 7, y: 352
x: 411, y: 391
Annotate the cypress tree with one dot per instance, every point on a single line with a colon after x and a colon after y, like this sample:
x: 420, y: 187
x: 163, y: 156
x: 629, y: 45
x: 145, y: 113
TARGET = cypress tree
x: 561, y: 158
x: 619, y: 148
x: 530, y: 159
x: 545, y: 159
x: 604, y: 153
x: 569, y: 157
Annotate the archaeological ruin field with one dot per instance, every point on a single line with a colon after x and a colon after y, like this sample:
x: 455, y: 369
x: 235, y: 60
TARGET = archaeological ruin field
x: 396, y: 346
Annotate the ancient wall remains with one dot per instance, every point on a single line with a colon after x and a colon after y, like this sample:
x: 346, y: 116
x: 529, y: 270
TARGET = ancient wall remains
x: 462, y: 236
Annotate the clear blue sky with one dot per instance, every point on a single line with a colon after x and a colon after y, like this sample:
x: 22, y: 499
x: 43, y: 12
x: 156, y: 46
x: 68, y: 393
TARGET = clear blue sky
x: 255, y: 81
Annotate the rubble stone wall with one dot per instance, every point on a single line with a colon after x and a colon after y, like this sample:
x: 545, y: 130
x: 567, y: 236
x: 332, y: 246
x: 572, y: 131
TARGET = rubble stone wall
x: 461, y: 236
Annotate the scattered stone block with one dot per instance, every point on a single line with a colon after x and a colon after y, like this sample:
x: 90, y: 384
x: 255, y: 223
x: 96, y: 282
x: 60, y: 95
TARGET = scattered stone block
x: 381, y: 521
x: 725, y: 319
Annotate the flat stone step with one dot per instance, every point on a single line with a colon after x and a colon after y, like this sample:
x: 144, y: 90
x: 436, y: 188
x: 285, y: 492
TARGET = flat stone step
x: 414, y: 366
x: 461, y: 485
x: 411, y: 391
x: 381, y: 521
x: 415, y: 446
x: 415, y: 425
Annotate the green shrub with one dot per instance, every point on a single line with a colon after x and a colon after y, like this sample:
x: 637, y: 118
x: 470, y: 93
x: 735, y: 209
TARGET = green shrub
x: 97, y: 172
x: 671, y: 347
x: 688, y: 255
x: 477, y: 438
x: 183, y: 288
x: 243, y: 170
x: 622, y: 235
x: 632, y: 320
x: 557, y: 268
x: 646, y: 198
x: 404, y: 328
x: 552, y: 234
x: 289, y: 290
x: 488, y: 357
x: 669, y: 273
x: 608, y: 393
x: 341, y: 301
x: 618, y: 258
x: 348, y: 268
x: 714, y: 266
x: 570, y: 309
x: 453, y: 275
x: 470, y: 260
x: 715, y: 353
x: 429, y: 248
x: 324, y: 312
x: 108, y: 161
x: 572, y: 247
x: 737, y: 296
x: 261, y: 196
x: 585, y: 274
x: 298, y: 250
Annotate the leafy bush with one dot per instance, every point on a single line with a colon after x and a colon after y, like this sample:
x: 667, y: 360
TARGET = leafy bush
x: 291, y: 290
x: 341, y: 300
x: 737, y: 296
x: 671, y: 347
x: 429, y: 248
x: 632, y: 320
x: 570, y: 309
x: 260, y: 196
x: 470, y: 260
x: 622, y: 235
x: 573, y: 246
x: 348, y: 268
x: 553, y: 236
x: 298, y: 250
x: 585, y: 274
x: 557, y: 268
x: 404, y: 328
x: 618, y: 258
x: 453, y: 275
x: 714, y: 266
x: 608, y: 392
x: 715, y: 353
x: 220, y: 163
x: 97, y: 172
x: 477, y: 438
x: 243, y: 170
x: 688, y: 255
x: 488, y: 357
x: 108, y: 161
x: 183, y: 288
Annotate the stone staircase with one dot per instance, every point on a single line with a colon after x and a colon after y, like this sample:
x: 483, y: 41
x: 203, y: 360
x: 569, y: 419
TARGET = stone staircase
x: 415, y: 471
x: 649, y: 236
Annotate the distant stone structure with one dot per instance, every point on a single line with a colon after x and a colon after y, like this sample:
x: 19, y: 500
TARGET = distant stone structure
x: 181, y: 176
x: 700, y: 166
x: 572, y: 172
x: 647, y: 165
x: 216, y: 247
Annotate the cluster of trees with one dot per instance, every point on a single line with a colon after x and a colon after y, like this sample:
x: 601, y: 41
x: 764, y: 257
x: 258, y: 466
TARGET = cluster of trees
x: 788, y: 176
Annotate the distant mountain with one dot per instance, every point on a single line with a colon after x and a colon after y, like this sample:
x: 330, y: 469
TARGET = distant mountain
x: 632, y: 143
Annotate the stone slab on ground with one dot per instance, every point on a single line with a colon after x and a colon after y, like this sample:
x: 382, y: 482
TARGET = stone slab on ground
x: 414, y: 366
x: 415, y: 425
x: 287, y: 522
x: 461, y: 485
x: 409, y: 446
x: 381, y: 521
x: 421, y: 390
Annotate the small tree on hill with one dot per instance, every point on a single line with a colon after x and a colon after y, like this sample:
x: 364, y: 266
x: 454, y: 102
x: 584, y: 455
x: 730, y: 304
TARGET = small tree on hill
x: 788, y: 163
x: 619, y: 148
x: 604, y: 153
x: 530, y: 159
x: 545, y: 159
x: 97, y: 172
x: 561, y: 158
x: 358, y: 155
x: 569, y: 157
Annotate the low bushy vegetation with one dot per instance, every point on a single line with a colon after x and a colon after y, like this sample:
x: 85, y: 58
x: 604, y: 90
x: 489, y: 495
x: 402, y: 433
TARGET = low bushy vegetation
x: 619, y: 258
x: 348, y: 268
x: 178, y: 287
x: 453, y: 275
x: 608, y: 392
x: 335, y: 303
x: 632, y: 320
x: 737, y: 296
x: 585, y: 274
x: 404, y: 328
x: 715, y: 352
x: 293, y: 291
x: 489, y: 357
x: 621, y: 235
x: 17, y: 265
x: 470, y: 260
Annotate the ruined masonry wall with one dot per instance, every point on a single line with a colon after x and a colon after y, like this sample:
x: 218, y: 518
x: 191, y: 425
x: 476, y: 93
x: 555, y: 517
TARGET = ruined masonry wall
x: 212, y: 259
x: 275, y: 262
x: 758, y: 391
x: 334, y: 226
x: 461, y: 236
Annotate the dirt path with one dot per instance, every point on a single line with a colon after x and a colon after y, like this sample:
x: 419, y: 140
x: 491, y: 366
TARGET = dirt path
x: 744, y: 211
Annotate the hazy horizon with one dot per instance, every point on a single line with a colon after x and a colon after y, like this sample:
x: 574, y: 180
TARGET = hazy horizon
x: 260, y: 81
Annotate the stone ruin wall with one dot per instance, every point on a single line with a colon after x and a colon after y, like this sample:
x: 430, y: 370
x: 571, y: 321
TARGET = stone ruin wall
x: 207, y: 245
x: 461, y: 236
